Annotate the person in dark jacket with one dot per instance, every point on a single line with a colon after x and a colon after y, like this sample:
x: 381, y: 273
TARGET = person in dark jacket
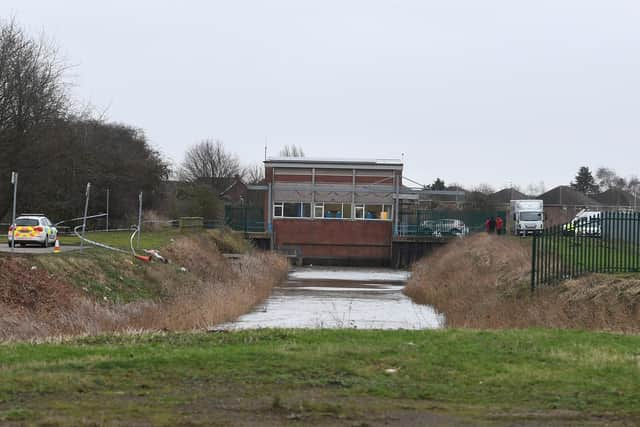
x: 492, y: 225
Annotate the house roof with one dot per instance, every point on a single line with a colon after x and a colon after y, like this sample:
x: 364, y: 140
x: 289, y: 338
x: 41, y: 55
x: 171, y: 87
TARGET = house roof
x: 615, y: 197
x: 236, y: 181
x: 506, y: 195
x: 565, y: 195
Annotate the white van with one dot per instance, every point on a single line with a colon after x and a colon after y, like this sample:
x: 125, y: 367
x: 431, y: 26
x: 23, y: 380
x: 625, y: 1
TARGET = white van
x: 527, y: 217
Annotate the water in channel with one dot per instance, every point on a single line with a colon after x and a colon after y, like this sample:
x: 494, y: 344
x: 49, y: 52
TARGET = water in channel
x: 325, y: 297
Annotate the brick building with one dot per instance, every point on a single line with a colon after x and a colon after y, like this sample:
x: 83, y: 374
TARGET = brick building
x: 339, y: 210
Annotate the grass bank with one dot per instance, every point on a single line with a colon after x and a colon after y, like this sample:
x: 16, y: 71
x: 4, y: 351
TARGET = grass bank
x: 484, y: 282
x: 328, y: 377
x: 100, y: 291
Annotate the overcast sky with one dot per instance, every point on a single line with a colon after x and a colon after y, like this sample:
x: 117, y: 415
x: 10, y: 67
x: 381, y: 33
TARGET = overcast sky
x: 470, y: 91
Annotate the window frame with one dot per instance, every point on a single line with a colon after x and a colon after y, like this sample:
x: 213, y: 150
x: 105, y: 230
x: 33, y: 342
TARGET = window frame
x: 278, y: 205
x: 384, y: 207
x: 300, y: 208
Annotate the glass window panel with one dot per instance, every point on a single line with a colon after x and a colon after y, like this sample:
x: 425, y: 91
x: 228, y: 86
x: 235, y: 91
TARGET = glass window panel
x: 346, y: 210
x: 360, y: 211
x: 386, y: 212
x: 292, y: 210
x: 333, y: 210
x: 319, y: 210
x: 306, y: 210
x: 373, y: 211
x: 277, y: 209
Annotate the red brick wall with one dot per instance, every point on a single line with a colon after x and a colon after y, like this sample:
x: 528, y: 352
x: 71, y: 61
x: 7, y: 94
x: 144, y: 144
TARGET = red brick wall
x: 293, y: 178
x: 335, y: 238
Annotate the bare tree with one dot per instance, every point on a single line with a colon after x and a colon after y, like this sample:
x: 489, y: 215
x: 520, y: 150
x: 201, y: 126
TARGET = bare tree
x: 208, y: 161
x: 633, y: 184
x: 606, y: 178
x: 536, y: 189
x: 33, y: 95
x: 291, y: 151
x: 484, y: 189
x: 254, y: 173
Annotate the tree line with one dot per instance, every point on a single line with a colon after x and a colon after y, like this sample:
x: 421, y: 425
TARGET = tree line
x: 605, y: 179
x: 57, y: 148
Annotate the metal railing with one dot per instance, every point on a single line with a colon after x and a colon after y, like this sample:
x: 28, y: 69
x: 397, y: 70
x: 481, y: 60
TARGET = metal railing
x: 605, y: 242
x: 244, y: 218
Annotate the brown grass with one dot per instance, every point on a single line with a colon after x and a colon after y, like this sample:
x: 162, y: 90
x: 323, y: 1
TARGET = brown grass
x: 220, y: 290
x: 230, y: 241
x: 37, y: 304
x: 483, y: 282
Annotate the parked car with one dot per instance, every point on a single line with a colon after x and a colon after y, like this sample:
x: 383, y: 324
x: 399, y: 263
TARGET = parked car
x: 445, y: 226
x: 33, y: 228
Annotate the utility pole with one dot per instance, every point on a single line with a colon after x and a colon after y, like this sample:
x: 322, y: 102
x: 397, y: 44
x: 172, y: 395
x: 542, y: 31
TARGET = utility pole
x: 139, y: 217
x: 107, y: 210
x: 14, y: 181
x: 86, y: 209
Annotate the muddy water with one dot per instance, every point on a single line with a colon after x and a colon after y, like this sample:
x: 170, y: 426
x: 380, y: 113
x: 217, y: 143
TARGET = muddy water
x: 321, y: 297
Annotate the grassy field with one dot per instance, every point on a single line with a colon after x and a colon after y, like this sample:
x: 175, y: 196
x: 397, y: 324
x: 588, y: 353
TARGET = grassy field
x: 226, y: 239
x: 121, y: 239
x: 329, y: 377
x: 592, y: 254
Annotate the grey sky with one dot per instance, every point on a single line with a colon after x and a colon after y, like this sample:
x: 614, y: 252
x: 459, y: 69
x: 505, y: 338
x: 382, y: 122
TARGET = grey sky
x: 470, y: 91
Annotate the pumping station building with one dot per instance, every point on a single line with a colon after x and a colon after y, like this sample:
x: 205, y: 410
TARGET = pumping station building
x: 333, y: 210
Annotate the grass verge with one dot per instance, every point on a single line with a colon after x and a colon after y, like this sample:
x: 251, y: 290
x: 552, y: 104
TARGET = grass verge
x: 121, y: 239
x: 98, y: 291
x: 336, y: 377
x: 483, y: 282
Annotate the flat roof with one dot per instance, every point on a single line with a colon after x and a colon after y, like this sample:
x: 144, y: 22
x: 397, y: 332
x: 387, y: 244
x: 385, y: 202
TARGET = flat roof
x: 333, y: 161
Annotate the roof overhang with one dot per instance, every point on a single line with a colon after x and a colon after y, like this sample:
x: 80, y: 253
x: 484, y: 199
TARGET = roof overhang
x: 308, y: 162
x: 257, y: 187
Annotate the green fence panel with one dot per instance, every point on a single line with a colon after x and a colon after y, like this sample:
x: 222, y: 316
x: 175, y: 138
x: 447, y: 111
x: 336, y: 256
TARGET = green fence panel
x: 608, y: 242
x: 431, y: 222
x: 246, y: 219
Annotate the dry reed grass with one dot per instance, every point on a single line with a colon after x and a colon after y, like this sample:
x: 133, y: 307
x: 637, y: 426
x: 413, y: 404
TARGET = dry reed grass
x: 230, y: 241
x: 34, y: 304
x: 483, y: 282
x: 220, y: 289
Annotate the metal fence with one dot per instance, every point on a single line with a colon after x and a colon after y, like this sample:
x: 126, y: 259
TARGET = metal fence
x: 443, y: 222
x: 244, y: 218
x: 606, y: 242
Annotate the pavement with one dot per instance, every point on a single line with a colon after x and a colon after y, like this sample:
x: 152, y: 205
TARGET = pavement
x: 4, y: 248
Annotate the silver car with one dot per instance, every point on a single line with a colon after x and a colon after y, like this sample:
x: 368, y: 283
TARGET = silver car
x: 446, y: 226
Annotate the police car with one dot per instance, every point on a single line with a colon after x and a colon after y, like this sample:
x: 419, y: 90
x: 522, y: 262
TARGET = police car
x: 585, y: 223
x: 32, y: 229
